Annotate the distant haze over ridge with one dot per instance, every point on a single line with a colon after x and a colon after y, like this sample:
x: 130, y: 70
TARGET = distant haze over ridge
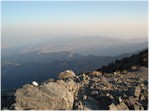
x: 55, y: 38
x: 30, y: 22
x: 86, y: 45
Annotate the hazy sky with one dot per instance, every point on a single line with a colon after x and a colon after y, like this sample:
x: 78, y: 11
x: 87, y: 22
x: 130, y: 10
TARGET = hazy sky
x: 23, y: 22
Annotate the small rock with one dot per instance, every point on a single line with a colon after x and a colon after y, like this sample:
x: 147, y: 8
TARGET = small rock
x: 80, y: 106
x: 142, y: 85
x: 136, y: 98
x: 111, y: 97
x: 84, y: 76
x: 105, y: 88
x: 66, y: 74
x: 137, y: 91
x: 131, y: 100
x: 84, y: 97
x: 94, y: 93
x: 142, y: 97
x: 34, y: 83
x: 105, y: 82
x: 120, y: 100
x: 92, y: 87
x: 112, y: 107
x: 75, y: 98
x: 136, y: 107
x: 95, y: 73
x: 124, y: 95
x: 141, y: 108
x: 95, y: 79
x: 122, y: 106
x: 141, y: 78
x: 107, y: 94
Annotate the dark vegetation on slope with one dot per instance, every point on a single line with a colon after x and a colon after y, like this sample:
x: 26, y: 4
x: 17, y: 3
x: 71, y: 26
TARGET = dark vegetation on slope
x: 130, y: 63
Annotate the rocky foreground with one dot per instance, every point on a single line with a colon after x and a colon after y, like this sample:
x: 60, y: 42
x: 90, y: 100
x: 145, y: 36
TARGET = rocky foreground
x: 87, y: 91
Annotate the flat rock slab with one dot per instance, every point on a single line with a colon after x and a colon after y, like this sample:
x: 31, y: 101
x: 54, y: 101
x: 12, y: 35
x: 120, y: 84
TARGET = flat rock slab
x: 50, y: 96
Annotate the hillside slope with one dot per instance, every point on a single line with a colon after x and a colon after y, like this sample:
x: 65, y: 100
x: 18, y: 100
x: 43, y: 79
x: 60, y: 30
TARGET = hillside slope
x: 130, y: 63
x: 96, y: 90
x: 18, y: 70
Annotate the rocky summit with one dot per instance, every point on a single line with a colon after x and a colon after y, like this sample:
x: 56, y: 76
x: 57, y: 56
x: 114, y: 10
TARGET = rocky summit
x: 96, y: 90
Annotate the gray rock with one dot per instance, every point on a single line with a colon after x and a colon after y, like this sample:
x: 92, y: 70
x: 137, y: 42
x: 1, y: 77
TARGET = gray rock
x: 84, y: 97
x: 105, y: 82
x: 112, y: 107
x: 95, y: 73
x: 95, y: 79
x: 51, y: 96
x: 34, y: 83
x: 94, y: 93
x: 78, y: 105
x: 131, y: 100
x: 142, y: 85
x: 141, y: 108
x: 137, y: 98
x: 122, y: 106
x: 137, y: 91
x: 136, y: 107
x: 120, y: 99
x: 92, y: 87
x: 66, y: 74
x: 142, y: 97
x: 83, y: 76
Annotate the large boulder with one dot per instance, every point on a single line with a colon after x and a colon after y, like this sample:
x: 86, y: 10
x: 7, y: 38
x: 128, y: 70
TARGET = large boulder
x: 50, y: 96
x: 66, y: 74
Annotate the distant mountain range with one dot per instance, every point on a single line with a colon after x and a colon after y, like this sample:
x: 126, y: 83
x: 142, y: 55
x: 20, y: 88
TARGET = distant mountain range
x: 86, y: 45
x: 23, y: 64
x: 20, y: 69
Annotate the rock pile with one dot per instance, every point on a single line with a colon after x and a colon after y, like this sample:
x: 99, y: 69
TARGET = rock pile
x: 88, y: 91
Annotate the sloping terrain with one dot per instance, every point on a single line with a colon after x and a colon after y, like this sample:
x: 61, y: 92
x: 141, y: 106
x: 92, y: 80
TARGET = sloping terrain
x: 124, y: 89
x: 20, y: 69
x: 130, y: 63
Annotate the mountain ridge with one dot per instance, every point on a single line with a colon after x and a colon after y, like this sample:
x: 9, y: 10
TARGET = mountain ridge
x: 82, y: 46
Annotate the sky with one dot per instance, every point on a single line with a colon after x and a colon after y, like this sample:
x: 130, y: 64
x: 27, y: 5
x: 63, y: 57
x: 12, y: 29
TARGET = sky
x: 29, y: 21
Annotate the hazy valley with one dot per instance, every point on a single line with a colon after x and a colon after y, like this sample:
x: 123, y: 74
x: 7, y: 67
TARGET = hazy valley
x: 21, y: 65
